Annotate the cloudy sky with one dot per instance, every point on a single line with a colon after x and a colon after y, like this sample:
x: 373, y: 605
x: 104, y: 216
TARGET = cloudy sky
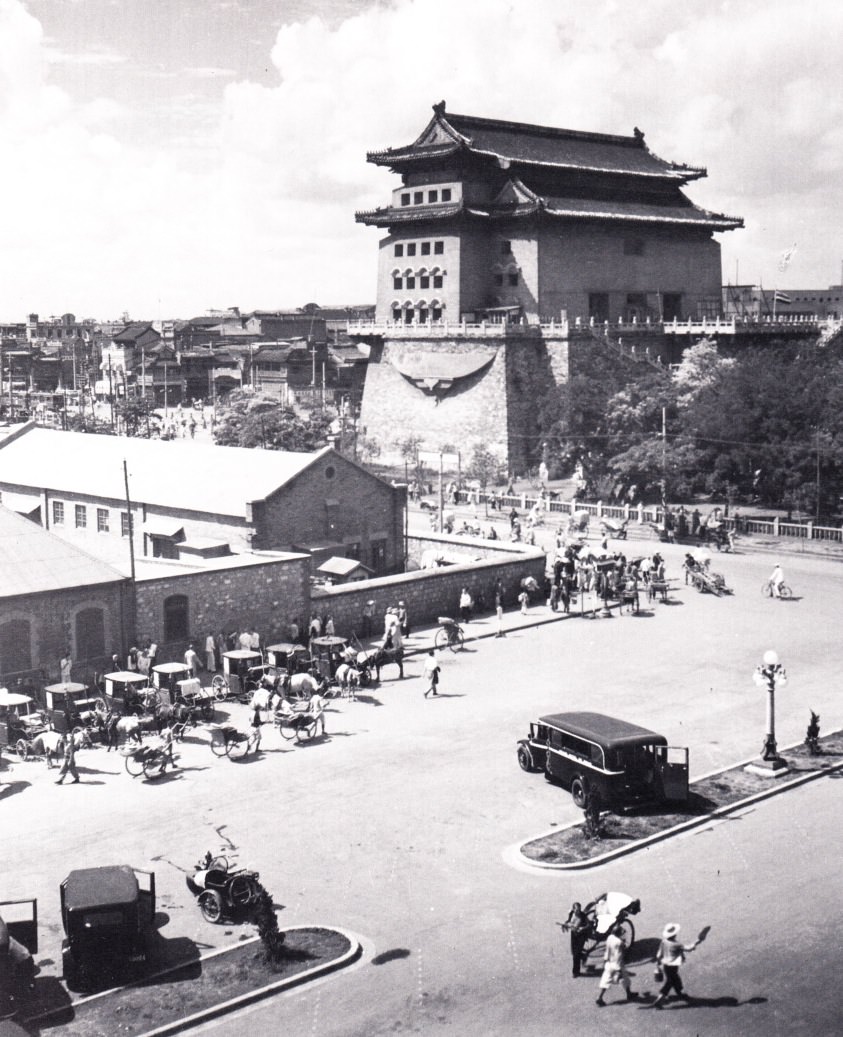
x: 166, y: 157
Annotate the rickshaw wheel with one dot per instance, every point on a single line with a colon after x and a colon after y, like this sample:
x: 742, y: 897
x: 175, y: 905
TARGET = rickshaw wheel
x: 134, y: 765
x: 219, y: 688
x: 219, y: 864
x: 236, y: 748
x: 153, y: 766
x: 304, y: 732
x: 22, y: 748
x: 627, y: 932
x: 287, y: 729
x: 218, y: 746
x: 210, y: 904
x: 241, y: 891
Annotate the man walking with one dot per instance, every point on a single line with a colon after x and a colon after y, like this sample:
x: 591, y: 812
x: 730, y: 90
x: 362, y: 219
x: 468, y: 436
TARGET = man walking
x: 191, y: 661
x: 670, y: 955
x: 614, y: 969
x: 69, y: 762
x: 431, y: 674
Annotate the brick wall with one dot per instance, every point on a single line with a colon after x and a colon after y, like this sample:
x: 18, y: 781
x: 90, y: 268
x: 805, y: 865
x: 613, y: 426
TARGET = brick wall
x: 264, y: 597
x: 434, y: 592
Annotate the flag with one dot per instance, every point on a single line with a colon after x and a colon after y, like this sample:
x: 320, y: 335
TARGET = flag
x: 782, y: 297
x: 786, y: 256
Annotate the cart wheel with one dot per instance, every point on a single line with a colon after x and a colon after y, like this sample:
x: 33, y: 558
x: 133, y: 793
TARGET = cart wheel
x: 241, y: 891
x: 441, y: 639
x: 210, y: 904
x: 22, y: 748
x: 219, y: 688
x: 627, y: 932
x: 236, y: 748
x: 304, y: 732
x: 134, y: 765
x: 287, y: 729
x: 153, y: 766
x: 218, y: 745
x: 590, y: 946
x: 579, y: 792
x: 525, y: 760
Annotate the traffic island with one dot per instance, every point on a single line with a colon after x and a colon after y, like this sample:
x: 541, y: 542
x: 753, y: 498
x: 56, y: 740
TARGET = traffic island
x: 186, y: 995
x: 710, y: 797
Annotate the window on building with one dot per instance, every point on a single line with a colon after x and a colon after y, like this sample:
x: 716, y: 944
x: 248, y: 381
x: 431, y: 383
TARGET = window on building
x: 436, y: 313
x: 102, y: 520
x: 422, y: 315
x: 446, y: 194
x: 90, y: 633
x: 332, y: 518
x: 672, y: 306
x: 396, y: 313
x: 399, y: 250
x: 633, y: 247
x: 405, y: 199
x: 418, y: 197
x: 513, y: 278
x: 598, y: 306
x: 438, y: 248
x: 425, y: 248
x: 506, y: 248
x: 424, y: 282
x: 396, y: 282
x: 433, y: 196
x: 408, y: 315
x: 58, y: 513
x: 15, y: 646
x: 499, y: 280
x: 81, y: 516
x: 411, y: 282
x: 125, y: 524
x: 176, y: 618
x: 379, y: 555
x: 437, y: 280
x: 411, y: 248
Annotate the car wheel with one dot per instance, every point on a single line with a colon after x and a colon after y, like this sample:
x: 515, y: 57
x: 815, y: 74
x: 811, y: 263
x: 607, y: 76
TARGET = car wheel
x: 210, y: 904
x: 579, y: 791
x: 525, y: 760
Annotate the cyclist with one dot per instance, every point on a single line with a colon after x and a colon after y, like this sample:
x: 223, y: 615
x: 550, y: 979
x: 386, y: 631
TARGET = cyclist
x: 776, y: 580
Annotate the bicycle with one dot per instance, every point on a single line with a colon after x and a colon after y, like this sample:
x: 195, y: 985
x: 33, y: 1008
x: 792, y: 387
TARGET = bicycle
x: 449, y: 635
x: 784, y: 590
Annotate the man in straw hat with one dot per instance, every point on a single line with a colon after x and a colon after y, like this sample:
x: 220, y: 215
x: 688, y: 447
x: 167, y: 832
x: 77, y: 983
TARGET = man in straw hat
x: 670, y: 955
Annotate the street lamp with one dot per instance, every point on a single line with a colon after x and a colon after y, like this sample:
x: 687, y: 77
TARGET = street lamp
x: 769, y: 676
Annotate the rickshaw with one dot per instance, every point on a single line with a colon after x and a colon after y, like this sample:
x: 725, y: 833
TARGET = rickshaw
x: 235, y: 677
x: 127, y: 692
x: 165, y: 679
x: 604, y: 913
x: 327, y: 655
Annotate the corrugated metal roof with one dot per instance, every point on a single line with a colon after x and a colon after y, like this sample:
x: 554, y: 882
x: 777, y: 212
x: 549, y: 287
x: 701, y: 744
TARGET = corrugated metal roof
x: 185, y: 475
x: 35, y: 561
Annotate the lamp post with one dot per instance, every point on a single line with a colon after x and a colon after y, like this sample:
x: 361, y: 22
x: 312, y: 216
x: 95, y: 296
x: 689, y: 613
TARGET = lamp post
x: 770, y: 675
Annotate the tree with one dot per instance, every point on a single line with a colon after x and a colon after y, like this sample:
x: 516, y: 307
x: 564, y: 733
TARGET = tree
x: 257, y: 420
x: 484, y: 466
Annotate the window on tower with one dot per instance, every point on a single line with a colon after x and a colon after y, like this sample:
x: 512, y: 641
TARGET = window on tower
x: 410, y: 282
x: 433, y: 196
x: 396, y: 282
x: 418, y: 197
x: 411, y: 249
x: 437, y: 280
x: 399, y: 250
x: 405, y: 199
x: 513, y: 278
x: 425, y: 248
x: 446, y: 194
x: 438, y: 248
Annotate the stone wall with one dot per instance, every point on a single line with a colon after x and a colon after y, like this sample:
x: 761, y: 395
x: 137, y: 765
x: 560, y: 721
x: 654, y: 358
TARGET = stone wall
x: 263, y: 596
x: 434, y: 592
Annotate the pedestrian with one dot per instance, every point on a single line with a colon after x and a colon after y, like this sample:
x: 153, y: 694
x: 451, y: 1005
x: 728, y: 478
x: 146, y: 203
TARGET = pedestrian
x: 191, y: 661
x: 257, y: 723
x: 614, y: 968
x: 254, y: 640
x: 143, y: 662
x: 465, y: 605
x: 293, y: 632
x: 132, y: 660
x: 524, y: 599
x: 403, y: 618
x: 367, y: 618
x: 210, y: 653
x: 499, y: 617
x: 553, y: 597
x: 152, y: 651
x: 695, y: 522
x: 244, y: 641
x: 329, y: 626
x: 669, y: 956
x: 577, y: 924
x: 431, y: 673
x: 167, y: 747
x: 316, y: 708
x: 69, y: 762
x: 65, y: 666
x: 219, y: 650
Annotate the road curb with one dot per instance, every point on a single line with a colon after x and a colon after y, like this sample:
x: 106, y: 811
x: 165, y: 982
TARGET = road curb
x: 215, y: 1011
x: 680, y: 829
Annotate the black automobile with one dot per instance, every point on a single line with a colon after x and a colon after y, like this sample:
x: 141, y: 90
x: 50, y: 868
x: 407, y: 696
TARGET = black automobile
x: 108, y: 915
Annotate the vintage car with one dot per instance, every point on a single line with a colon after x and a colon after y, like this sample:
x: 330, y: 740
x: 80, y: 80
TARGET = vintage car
x: 107, y: 914
x: 626, y: 764
x: 18, y: 942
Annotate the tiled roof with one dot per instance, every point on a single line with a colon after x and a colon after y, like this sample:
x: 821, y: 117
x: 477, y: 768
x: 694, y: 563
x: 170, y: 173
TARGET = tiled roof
x: 407, y: 214
x: 182, y: 475
x: 35, y: 561
x: 527, y: 144
x: 133, y: 331
x: 689, y: 214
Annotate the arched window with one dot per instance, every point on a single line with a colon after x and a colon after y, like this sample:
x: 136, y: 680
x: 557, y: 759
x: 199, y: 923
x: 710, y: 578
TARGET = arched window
x: 15, y: 646
x: 90, y: 633
x: 176, y: 618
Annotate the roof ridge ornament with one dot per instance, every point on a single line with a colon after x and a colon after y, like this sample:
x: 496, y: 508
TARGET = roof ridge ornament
x: 439, y: 109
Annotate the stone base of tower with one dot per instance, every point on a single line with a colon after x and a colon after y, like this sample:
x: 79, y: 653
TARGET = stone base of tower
x: 455, y: 390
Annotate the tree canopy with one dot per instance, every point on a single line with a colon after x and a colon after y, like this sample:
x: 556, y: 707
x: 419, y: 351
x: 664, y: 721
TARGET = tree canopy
x: 253, y: 419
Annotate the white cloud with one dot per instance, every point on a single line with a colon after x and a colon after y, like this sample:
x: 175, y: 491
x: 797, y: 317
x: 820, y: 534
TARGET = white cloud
x: 266, y: 217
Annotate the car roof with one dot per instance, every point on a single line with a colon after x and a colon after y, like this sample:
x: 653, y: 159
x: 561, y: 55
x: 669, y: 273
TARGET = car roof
x: 601, y: 728
x: 100, y: 887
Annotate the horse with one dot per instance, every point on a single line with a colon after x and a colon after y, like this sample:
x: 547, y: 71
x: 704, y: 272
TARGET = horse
x: 375, y: 659
x: 303, y: 686
x: 48, y: 744
x: 348, y: 678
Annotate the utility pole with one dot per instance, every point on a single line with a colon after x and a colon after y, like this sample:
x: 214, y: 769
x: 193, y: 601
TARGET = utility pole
x: 131, y: 522
x: 441, y: 493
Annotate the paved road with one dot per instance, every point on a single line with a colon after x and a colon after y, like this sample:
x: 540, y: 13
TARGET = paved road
x: 396, y: 826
